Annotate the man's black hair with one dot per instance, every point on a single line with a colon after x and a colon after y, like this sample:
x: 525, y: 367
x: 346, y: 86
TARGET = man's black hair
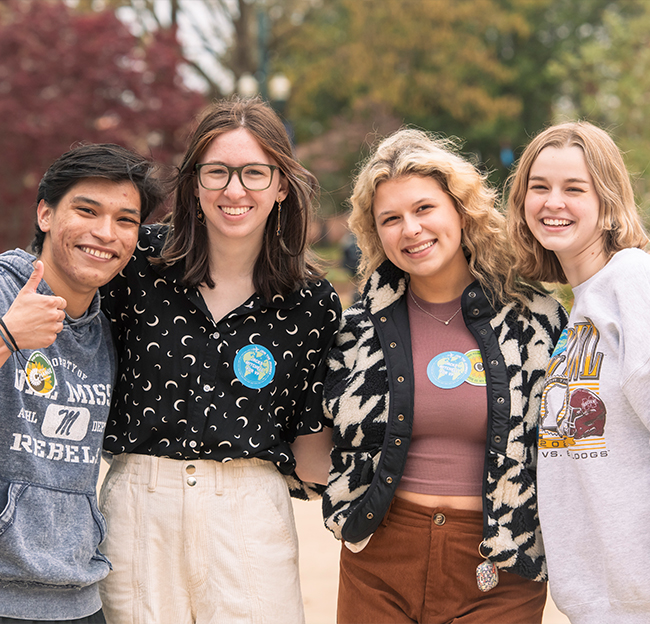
x: 99, y: 160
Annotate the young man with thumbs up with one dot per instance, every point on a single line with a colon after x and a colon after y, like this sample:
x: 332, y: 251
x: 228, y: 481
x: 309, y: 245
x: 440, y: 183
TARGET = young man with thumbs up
x: 57, y: 369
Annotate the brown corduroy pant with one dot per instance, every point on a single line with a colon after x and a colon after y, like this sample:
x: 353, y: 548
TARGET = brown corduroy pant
x: 420, y: 566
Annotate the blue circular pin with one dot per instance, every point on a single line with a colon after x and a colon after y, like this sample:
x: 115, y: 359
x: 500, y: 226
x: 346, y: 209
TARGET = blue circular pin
x: 254, y: 366
x: 561, y: 345
x: 449, y: 369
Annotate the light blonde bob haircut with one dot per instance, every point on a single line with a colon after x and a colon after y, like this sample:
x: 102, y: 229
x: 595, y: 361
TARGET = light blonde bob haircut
x: 618, y: 218
x: 410, y: 152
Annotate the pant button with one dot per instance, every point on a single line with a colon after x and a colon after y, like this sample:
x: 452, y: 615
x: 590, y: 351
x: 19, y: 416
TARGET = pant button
x: 190, y: 469
x: 439, y: 519
x: 191, y: 481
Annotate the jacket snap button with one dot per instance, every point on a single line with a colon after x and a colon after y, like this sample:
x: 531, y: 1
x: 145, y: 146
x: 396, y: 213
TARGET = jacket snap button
x: 494, y: 362
x: 393, y: 345
x: 501, y: 400
x: 383, y: 319
x: 400, y: 417
x: 476, y: 311
x: 439, y: 519
x: 400, y: 379
x: 497, y: 438
x: 370, y: 515
x: 389, y: 479
x: 483, y: 332
x: 398, y: 442
x: 471, y: 294
x: 191, y: 481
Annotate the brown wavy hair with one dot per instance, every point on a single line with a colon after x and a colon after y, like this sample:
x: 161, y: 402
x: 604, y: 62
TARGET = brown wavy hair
x: 618, y: 217
x: 284, y: 263
x: 411, y: 152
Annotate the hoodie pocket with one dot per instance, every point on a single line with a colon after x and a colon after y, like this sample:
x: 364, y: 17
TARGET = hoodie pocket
x: 50, y: 537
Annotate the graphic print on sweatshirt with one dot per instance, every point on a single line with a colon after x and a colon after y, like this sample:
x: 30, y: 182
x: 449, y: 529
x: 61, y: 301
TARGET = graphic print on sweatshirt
x: 55, y: 419
x: 573, y: 416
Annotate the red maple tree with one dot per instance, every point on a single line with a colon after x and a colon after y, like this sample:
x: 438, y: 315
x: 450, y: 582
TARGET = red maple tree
x: 68, y: 77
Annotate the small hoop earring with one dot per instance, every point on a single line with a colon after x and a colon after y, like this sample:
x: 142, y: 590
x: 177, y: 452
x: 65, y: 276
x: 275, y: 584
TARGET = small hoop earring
x: 200, y: 215
x: 277, y: 231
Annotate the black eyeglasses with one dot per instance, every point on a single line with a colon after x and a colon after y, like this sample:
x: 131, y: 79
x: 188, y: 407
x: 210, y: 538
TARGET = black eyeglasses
x: 253, y: 177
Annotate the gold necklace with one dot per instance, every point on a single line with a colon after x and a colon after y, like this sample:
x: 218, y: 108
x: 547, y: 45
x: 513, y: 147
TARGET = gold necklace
x: 431, y: 315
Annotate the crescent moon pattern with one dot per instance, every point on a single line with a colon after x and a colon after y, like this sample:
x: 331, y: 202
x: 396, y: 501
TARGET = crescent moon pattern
x: 171, y: 350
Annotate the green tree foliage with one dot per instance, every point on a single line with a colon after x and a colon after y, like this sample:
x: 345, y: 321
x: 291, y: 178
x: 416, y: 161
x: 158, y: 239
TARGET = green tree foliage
x: 432, y: 62
x: 606, y: 79
x: 471, y: 68
x: 221, y: 39
x: 67, y: 77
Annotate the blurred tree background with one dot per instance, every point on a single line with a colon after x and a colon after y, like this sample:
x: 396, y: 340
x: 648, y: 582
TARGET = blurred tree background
x: 341, y: 72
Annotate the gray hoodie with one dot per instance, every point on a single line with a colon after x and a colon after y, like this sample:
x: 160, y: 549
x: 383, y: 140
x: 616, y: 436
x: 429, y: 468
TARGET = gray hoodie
x: 53, y: 413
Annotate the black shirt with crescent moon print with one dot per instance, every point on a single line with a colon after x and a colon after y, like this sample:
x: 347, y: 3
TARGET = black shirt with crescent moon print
x: 190, y: 387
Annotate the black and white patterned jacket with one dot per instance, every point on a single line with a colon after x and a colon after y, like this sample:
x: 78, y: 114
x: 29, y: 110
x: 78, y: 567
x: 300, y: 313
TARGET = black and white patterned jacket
x: 369, y: 395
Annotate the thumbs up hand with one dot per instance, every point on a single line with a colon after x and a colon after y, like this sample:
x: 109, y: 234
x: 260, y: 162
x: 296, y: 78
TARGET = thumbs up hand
x: 35, y: 320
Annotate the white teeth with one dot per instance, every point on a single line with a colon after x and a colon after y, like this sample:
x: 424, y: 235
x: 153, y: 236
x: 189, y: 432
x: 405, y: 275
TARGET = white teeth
x: 556, y: 222
x: 235, y: 210
x: 98, y: 254
x: 419, y: 247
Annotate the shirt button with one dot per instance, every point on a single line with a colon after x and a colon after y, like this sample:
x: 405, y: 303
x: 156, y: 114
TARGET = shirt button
x: 191, y: 481
x: 207, y: 388
x: 193, y: 443
x: 216, y: 335
x: 439, y: 519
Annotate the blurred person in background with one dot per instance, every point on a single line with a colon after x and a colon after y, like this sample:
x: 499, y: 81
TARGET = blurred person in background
x: 222, y: 325
x: 434, y: 385
x: 573, y: 219
x: 57, y: 368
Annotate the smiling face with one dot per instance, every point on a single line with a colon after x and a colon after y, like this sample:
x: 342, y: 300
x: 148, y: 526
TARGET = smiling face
x: 235, y: 215
x: 420, y: 231
x: 562, y: 209
x: 89, y: 237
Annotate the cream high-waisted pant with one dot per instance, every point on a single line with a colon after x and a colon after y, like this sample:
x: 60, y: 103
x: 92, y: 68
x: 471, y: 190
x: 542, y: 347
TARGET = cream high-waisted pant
x: 199, y: 542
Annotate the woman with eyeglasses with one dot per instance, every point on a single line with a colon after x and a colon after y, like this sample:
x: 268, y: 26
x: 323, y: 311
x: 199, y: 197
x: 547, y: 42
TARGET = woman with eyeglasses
x: 222, y: 325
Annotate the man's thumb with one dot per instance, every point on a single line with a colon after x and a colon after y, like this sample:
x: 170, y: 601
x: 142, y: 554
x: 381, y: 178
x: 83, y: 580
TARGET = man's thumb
x: 35, y: 278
